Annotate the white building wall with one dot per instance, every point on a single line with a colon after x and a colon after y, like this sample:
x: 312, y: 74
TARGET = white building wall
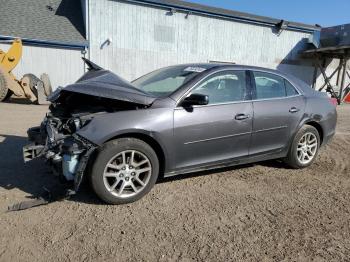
x: 146, y: 38
x: 62, y: 65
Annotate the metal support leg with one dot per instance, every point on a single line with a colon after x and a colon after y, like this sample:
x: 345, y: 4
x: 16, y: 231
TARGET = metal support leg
x: 338, y: 75
x: 342, y: 85
x: 314, y: 78
x: 327, y: 79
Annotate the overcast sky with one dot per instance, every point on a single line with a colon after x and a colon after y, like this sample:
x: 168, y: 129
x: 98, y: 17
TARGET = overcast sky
x: 323, y: 12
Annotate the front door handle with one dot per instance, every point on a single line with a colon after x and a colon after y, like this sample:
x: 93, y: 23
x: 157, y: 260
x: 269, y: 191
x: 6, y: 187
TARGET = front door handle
x: 241, y: 117
x: 294, y: 110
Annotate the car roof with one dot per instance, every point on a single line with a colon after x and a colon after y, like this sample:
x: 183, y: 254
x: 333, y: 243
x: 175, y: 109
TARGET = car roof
x: 225, y: 65
x: 228, y: 66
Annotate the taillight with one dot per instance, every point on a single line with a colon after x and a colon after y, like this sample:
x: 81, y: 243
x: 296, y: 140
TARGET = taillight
x: 333, y: 101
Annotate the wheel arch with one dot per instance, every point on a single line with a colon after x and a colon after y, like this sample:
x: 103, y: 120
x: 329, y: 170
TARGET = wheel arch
x: 312, y: 123
x: 151, y: 141
x: 318, y: 128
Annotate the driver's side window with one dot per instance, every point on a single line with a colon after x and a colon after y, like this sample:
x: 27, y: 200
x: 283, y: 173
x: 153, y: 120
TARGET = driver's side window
x: 223, y: 87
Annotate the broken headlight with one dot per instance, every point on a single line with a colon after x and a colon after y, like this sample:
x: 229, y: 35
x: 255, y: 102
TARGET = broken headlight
x: 72, y: 125
x: 75, y: 124
x: 51, y: 131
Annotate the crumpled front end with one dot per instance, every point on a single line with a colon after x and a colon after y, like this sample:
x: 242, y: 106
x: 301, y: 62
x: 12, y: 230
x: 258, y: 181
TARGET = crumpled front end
x: 57, y: 139
x: 97, y: 92
x: 65, y: 151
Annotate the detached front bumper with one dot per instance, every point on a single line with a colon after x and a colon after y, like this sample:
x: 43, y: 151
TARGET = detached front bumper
x: 32, y: 151
x: 67, y: 156
x: 36, y: 148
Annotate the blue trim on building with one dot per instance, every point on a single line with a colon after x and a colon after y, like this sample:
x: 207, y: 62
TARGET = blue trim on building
x: 44, y: 43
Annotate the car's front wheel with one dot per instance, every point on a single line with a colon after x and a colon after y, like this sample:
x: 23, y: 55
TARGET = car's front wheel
x: 304, y: 148
x: 124, y: 170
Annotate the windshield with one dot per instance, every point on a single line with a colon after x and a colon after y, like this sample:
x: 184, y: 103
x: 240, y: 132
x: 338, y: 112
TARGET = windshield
x: 165, y: 81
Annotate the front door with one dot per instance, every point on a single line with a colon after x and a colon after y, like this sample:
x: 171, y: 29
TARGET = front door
x: 278, y: 109
x: 218, y: 131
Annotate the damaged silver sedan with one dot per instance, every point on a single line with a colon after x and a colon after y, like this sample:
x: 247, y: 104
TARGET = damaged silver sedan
x: 176, y: 120
x: 59, y: 141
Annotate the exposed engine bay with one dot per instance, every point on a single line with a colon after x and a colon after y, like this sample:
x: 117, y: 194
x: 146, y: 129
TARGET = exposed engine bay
x: 71, y: 109
x: 56, y: 139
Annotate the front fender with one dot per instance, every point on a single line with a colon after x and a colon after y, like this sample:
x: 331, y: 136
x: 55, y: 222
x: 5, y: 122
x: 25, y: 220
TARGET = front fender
x: 156, y: 123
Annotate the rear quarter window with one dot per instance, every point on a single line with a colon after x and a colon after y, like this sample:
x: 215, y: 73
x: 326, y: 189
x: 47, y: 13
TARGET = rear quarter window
x: 290, y: 89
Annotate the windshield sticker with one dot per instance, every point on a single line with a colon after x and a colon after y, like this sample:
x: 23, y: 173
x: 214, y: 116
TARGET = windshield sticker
x: 194, y: 69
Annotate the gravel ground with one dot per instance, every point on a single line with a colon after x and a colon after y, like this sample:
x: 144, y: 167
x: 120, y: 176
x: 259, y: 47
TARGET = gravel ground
x: 254, y: 212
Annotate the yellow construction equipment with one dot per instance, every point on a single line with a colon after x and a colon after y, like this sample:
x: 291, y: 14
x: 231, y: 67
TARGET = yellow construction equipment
x: 29, y: 86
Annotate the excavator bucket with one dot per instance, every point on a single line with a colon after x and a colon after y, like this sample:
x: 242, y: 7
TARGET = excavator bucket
x: 10, y: 59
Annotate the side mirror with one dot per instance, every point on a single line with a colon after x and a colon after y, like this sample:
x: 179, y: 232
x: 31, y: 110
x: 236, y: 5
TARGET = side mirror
x: 196, y: 99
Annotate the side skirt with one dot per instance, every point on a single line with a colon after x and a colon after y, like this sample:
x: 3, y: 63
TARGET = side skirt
x: 230, y: 163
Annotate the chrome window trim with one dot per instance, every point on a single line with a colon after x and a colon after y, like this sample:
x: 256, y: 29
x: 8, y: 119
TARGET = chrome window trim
x: 236, y: 102
x: 240, y: 102
x: 275, y: 98
x: 218, y: 104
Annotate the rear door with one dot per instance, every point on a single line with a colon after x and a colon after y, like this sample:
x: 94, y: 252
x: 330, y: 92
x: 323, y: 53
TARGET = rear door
x: 219, y: 131
x: 278, y: 108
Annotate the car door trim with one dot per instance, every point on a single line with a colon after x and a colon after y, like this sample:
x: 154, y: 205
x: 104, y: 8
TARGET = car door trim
x: 216, y: 138
x: 269, y: 129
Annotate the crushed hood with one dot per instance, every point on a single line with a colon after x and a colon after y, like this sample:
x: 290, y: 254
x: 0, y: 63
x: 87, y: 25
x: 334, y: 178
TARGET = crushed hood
x: 103, y: 83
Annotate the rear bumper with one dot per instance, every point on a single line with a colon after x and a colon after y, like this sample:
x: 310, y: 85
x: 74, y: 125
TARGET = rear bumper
x: 328, y: 138
x: 329, y: 126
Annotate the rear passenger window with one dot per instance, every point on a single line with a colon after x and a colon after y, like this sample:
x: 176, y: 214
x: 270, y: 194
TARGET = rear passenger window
x: 290, y: 89
x: 272, y: 86
x: 269, y: 86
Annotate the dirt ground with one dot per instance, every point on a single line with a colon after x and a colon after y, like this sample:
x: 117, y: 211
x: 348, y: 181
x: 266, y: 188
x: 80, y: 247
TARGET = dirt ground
x: 254, y: 212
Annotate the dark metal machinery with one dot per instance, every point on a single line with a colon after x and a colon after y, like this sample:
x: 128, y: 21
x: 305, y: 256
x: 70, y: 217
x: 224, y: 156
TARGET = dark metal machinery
x: 333, y: 43
x: 320, y: 57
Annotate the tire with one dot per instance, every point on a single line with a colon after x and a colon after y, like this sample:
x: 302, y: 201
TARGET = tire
x: 9, y: 94
x: 33, y: 80
x: 5, y: 93
x: 109, y: 172
x: 47, y: 84
x: 297, y: 151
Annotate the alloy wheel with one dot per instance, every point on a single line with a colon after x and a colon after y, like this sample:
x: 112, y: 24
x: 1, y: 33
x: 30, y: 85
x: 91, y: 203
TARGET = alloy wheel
x: 127, y: 173
x: 307, y: 148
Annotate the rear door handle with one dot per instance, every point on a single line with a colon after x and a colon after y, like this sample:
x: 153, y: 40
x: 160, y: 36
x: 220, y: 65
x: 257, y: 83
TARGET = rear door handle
x: 241, y: 117
x: 294, y: 110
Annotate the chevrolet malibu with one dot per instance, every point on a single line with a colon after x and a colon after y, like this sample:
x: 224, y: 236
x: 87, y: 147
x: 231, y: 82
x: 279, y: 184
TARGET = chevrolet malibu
x: 177, y: 120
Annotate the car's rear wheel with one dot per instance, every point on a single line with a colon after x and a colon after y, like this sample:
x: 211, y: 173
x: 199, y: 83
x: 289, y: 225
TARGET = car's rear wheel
x: 304, y: 148
x: 124, y: 171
